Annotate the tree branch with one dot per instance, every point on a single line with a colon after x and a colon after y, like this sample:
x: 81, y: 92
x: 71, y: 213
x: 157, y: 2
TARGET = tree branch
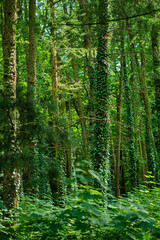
x: 110, y: 20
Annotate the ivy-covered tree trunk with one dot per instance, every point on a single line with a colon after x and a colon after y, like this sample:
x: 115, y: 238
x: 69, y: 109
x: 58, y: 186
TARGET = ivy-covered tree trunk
x: 10, y: 180
x: 156, y: 65
x: 130, y: 121
x: 101, y: 135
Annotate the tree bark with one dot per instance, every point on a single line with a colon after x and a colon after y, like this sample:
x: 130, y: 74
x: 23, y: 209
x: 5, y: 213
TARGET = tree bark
x: 101, y: 134
x: 147, y: 107
x: 10, y: 184
x: 84, y: 5
x: 31, y: 172
x: 80, y: 112
x: 32, y: 51
x: 119, y: 119
x: 151, y: 154
x: 130, y: 126
x: 156, y: 65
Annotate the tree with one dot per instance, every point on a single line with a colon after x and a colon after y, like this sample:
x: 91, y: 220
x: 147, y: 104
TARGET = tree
x: 80, y: 83
x: 156, y: 64
x: 130, y: 123
x: 119, y: 119
x: 10, y: 179
x: 151, y: 151
x: 31, y: 171
x: 100, y: 148
x: 32, y: 51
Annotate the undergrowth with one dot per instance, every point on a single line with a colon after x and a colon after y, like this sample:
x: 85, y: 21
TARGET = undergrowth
x: 87, y: 215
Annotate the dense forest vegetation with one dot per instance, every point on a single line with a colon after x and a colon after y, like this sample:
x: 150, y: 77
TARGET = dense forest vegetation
x: 79, y: 119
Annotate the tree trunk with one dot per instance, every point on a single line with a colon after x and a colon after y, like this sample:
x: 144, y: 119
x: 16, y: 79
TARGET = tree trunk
x: 151, y: 154
x: 79, y: 108
x: 84, y: 5
x: 147, y: 107
x: 119, y: 119
x: 54, y: 68
x: 10, y: 183
x: 31, y: 172
x: 130, y: 124
x: 156, y: 65
x: 58, y: 192
x: 32, y: 51
x: 101, y: 135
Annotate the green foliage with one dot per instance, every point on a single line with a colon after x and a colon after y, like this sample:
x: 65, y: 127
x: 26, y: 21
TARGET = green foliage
x: 49, y: 133
x: 85, y: 216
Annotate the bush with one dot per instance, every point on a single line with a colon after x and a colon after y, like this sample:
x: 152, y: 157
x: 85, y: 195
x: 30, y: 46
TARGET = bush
x: 89, y: 215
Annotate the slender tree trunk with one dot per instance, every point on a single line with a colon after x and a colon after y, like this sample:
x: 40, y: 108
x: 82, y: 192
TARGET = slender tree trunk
x: 151, y: 151
x: 135, y: 105
x: 79, y: 104
x: 68, y: 146
x: 58, y: 192
x: 2, y: 21
x: 10, y: 184
x: 136, y: 99
x: 123, y: 170
x: 54, y: 68
x: 84, y: 7
x: 32, y: 51
x: 147, y: 107
x: 130, y: 124
x: 80, y: 112
x: 31, y: 173
x: 119, y: 119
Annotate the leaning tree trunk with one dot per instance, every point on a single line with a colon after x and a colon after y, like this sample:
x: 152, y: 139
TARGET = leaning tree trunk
x: 10, y: 184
